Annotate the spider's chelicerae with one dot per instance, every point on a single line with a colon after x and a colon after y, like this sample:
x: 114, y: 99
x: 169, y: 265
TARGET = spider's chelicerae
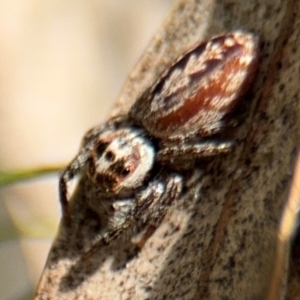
x: 134, y: 161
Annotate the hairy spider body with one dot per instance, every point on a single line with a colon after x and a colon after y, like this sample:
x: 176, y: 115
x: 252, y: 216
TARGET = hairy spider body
x: 134, y: 161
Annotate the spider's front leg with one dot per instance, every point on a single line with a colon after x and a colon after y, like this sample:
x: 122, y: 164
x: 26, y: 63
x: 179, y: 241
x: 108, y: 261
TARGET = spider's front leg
x: 151, y: 205
x: 159, y: 206
x: 74, y: 168
x: 183, y: 155
x: 79, y: 163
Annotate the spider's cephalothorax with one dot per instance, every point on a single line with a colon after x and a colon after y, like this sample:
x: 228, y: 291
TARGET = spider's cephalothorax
x: 134, y: 161
x: 120, y: 160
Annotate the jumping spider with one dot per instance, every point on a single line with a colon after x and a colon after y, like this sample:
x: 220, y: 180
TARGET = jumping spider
x: 135, y: 161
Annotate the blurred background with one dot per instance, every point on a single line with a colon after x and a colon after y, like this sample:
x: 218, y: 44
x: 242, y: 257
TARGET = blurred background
x: 62, y: 65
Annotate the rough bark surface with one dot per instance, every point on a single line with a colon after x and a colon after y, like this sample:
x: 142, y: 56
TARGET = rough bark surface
x: 219, y: 241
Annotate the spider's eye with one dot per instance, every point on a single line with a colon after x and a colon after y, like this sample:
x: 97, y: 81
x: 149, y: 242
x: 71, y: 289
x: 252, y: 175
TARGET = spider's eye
x: 110, y: 156
x: 122, y: 170
x: 100, y: 148
x: 125, y: 171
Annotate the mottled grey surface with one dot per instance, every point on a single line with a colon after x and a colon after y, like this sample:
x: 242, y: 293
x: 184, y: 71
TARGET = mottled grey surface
x: 219, y: 242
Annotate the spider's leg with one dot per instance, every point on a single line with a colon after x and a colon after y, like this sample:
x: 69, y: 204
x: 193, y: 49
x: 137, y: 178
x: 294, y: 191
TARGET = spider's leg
x: 186, y: 153
x: 151, y: 206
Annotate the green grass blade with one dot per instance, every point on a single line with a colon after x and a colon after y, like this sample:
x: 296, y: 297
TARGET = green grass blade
x: 12, y: 177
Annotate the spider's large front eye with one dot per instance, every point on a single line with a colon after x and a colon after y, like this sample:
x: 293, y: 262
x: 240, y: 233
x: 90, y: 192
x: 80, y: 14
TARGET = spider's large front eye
x: 110, y: 156
x: 100, y: 148
x: 125, y: 172
x: 122, y: 170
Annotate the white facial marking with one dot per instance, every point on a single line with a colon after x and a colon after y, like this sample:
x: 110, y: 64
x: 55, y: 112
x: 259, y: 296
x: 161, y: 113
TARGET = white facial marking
x: 129, y: 149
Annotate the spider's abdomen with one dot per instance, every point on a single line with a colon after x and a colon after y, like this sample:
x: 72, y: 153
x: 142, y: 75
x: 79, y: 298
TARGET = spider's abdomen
x: 200, y: 89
